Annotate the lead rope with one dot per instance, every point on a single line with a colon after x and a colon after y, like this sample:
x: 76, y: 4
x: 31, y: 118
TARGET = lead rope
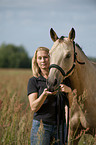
x: 58, y: 118
x: 61, y: 118
x: 67, y: 102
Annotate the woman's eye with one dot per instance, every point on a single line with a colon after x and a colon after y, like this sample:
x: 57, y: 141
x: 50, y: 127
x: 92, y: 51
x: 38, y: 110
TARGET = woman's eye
x: 45, y: 57
x: 68, y: 55
x: 39, y: 58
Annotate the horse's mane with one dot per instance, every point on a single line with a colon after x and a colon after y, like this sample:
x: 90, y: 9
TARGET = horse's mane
x: 78, y: 46
x: 94, y: 63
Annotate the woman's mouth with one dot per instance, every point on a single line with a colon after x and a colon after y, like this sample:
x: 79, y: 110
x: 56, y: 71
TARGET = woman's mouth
x: 43, y: 64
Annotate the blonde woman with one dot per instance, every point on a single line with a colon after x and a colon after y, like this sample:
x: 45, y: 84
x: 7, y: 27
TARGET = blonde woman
x: 42, y: 102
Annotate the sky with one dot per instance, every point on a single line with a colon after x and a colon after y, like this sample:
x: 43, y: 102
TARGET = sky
x: 28, y: 23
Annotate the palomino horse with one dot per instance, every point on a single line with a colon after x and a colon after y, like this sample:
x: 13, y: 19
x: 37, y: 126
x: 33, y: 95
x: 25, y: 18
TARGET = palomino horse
x: 68, y: 60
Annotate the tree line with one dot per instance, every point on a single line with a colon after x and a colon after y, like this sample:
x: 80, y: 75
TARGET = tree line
x: 92, y: 59
x: 12, y: 56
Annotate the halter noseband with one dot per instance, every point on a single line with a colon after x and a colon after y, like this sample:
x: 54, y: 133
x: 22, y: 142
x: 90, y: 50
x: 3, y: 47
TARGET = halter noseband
x: 74, y: 63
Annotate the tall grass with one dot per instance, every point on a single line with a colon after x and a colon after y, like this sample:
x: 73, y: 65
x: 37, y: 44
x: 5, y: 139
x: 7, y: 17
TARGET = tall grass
x: 15, y: 113
x: 84, y: 136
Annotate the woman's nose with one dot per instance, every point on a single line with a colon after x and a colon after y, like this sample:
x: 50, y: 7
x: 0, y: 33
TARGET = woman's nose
x: 42, y: 59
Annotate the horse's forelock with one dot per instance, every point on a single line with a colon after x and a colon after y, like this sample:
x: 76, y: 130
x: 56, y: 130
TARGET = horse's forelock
x: 61, y: 38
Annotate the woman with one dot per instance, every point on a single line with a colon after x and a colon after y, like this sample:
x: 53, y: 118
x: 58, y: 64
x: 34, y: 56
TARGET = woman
x: 42, y: 102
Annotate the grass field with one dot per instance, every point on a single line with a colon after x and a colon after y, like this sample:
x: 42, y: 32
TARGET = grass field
x: 15, y: 113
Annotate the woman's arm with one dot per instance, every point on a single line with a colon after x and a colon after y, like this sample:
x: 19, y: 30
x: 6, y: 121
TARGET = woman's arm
x: 68, y: 90
x: 36, y: 103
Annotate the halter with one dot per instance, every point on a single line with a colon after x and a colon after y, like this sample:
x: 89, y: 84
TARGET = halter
x: 74, y: 63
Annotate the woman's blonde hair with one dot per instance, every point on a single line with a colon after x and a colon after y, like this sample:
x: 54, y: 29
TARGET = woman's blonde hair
x: 35, y: 68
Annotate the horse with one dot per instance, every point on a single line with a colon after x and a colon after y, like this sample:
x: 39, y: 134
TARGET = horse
x: 67, y: 59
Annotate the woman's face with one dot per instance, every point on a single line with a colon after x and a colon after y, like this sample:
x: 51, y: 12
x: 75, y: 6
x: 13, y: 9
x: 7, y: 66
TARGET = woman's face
x: 43, y: 59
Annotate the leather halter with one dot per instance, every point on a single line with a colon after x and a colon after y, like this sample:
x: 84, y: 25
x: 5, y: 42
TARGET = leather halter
x: 74, y: 63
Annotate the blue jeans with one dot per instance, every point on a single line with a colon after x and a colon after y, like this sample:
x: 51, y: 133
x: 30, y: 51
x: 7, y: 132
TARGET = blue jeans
x: 43, y: 134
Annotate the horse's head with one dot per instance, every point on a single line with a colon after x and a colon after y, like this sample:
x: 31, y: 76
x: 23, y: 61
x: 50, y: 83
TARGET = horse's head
x: 61, y: 59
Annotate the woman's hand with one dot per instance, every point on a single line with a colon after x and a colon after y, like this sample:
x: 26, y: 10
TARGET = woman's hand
x: 46, y: 92
x: 64, y: 88
x: 36, y: 102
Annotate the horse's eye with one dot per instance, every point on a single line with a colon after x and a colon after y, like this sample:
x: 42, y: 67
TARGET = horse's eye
x: 68, y: 55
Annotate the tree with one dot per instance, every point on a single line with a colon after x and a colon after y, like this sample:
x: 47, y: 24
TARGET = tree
x: 12, y: 56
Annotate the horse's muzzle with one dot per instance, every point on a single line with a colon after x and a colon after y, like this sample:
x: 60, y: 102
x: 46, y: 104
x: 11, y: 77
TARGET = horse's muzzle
x: 51, y: 85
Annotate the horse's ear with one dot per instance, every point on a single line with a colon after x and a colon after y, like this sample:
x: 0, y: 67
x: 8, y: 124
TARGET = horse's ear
x: 53, y: 35
x: 72, y: 34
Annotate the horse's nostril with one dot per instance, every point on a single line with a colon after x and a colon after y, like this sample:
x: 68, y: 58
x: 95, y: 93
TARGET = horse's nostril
x: 48, y: 84
x: 55, y: 82
x: 51, y: 85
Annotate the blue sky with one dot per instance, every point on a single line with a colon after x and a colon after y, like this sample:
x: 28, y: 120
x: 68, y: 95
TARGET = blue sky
x: 28, y: 22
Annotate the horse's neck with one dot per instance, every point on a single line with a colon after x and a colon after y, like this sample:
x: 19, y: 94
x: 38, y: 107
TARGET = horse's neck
x: 84, y: 74
x: 94, y: 63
